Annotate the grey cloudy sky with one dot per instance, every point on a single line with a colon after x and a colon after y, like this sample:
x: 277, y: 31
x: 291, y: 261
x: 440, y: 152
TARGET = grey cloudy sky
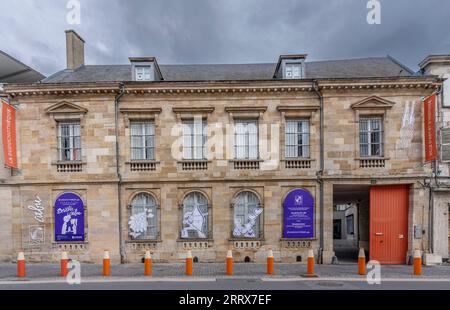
x: 223, y: 31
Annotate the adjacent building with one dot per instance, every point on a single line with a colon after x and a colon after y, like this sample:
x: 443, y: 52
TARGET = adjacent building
x: 211, y: 157
x: 439, y: 65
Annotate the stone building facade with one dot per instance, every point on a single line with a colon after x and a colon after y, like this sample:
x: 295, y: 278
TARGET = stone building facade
x: 109, y: 104
x: 439, y: 65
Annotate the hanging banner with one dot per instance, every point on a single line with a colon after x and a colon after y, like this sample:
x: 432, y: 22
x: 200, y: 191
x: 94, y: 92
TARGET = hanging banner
x: 69, y: 218
x: 429, y: 109
x: 298, y: 214
x: 9, y: 134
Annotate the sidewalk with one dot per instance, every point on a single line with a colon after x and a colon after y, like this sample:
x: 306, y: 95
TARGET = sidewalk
x: 217, y: 270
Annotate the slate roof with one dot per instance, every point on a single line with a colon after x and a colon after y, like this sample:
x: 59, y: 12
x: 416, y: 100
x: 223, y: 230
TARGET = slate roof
x: 14, y: 71
x: 351, y: 68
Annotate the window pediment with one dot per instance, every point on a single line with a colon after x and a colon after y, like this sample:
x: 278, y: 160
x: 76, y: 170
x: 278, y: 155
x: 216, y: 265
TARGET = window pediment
x: 374, y: 103
x: 65, y: 107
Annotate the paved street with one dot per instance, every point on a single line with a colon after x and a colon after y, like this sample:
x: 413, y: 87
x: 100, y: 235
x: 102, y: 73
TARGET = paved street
x: 211, y: 276
x: 248, y: 270
x: 227, y: 284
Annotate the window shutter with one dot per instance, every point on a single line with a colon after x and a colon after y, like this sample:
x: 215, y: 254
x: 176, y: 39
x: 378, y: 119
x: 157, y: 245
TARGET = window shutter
x: 445, y: 144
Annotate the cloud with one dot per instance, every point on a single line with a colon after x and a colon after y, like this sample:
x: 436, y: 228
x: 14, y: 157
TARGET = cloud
x: 223, y: 31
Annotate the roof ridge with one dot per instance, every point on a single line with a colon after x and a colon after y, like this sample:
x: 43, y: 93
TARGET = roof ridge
x: 347, y: 59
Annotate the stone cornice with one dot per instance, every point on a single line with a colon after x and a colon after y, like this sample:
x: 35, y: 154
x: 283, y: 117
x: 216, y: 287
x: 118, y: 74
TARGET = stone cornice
x: 283, y: 108
x: 187, y: 110
x: 222, y: 87
x: 41, y: 89
x: 417, y: 82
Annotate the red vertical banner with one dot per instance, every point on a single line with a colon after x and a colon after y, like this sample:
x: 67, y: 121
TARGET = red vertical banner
x: 9, y: 135
x: 430, y: 128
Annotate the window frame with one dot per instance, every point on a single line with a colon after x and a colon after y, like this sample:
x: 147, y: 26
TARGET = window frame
x: 297, y: 134
x: 145, y: 148
x: 291, y: 66
x: 193, y: 136
x: 183, y: 209
x: 259, y: 225
x: 156, y: 217
x: 72, y: 144
x: 143, y: 68
x: 246, y: 146
x: 368, y: 132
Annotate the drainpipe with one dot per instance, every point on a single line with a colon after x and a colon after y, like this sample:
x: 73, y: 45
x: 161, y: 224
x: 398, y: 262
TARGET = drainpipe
x: 435, y: 166
x: 315, y: 86
x: 119, y: 175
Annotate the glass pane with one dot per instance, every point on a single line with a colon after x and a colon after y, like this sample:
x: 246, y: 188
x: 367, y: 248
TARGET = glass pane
x: 291, y: 127
x: 136, y: 141
x: 364, y: 150
x: 305, y: 126
x: 252, y: 127
x: 195, y: 216
x: 136, y: 129
x: 149, y: 129
x: 363, y: 125
x: 247, y: 214
x: 305, y: 152
x: 363, y: 137
x: 375, y: 124
x: 143, y: 219
x: 150, y: 153
x: 376, y: 151
x: 253, y: 152
x: 137, y: 154
x: 375, y: 137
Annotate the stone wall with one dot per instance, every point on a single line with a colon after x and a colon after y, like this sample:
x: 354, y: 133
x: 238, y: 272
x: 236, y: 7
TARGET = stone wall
x: 98, y: 185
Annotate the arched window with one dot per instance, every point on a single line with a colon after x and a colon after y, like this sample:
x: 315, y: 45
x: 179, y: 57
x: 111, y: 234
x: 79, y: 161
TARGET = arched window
x: 247, y: 216
x: 195, y: 216
x: 143, y: 219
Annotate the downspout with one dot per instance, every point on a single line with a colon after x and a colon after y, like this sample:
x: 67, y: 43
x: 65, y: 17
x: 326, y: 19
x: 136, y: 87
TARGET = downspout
x: 435, y: 164
x: 119, y: 175
x: 319, y: 173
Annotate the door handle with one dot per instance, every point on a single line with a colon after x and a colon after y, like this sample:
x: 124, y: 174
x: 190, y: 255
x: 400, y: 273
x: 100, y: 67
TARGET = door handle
x: 401, y: 237
x: 379, y: 234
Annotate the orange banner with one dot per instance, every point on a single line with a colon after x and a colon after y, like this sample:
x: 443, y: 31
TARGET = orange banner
x: 9, y: 134
x: 430, y: 128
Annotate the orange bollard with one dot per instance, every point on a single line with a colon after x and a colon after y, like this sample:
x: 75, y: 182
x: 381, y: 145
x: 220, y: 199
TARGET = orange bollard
x: 21, y: 265
x: 361, y: 262
x: 106, y: 264
x: 229, y: 263
x: 310, y: 268
x: 189, y: 263
x: 64, y: 261
x: 147, y: 264
x: 417, y: 263
x: 270, y: 262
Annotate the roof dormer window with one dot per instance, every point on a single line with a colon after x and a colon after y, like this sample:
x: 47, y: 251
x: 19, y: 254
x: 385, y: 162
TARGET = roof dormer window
x: 145, y: 69
x: 290, y: 67
x: 293, y: 71
x: 143, y: 73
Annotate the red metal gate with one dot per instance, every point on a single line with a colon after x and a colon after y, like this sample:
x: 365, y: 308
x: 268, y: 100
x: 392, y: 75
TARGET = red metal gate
x: 389, y: 223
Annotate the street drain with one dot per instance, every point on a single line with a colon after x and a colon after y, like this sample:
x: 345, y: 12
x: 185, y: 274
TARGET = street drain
x: 330, y: 284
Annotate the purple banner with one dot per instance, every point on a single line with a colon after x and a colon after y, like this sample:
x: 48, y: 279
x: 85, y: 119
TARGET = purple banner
x: 298, y: 214
x: 69, y: 218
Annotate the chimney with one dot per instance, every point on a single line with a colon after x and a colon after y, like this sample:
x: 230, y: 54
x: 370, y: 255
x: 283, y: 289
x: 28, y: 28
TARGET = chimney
x: 74, y: 50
